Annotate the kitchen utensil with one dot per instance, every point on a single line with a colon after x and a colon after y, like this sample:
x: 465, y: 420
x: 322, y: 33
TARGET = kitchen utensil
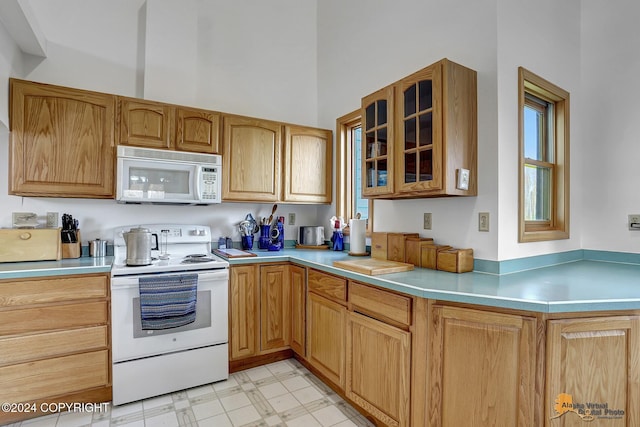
x: 139, y: 241
x: 273, y: 211
x: 311, y: 235
x: 97, y: 248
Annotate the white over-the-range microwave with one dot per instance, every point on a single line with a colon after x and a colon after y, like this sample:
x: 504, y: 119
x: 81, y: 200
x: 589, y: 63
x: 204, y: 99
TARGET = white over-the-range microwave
x: 146, y: 175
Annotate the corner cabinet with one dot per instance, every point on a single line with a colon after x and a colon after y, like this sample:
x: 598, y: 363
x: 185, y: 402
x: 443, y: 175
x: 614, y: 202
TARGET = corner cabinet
x: 62, y: 141
x: 420, y: 132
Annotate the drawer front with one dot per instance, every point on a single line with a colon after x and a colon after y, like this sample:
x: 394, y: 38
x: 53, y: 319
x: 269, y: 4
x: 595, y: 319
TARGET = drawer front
x: 14, y: 293
x: 332, y: 287
x: 380, y: 304
x: 53, y: 377
x: 49, y: 318
x: 39, y: 346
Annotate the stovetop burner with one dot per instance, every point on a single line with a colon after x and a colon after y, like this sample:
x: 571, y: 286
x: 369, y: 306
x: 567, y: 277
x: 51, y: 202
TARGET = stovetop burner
x: 194, y: 260
x: 195, y: 255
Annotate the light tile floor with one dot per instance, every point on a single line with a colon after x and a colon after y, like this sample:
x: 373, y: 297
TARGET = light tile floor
x: 279, y: 394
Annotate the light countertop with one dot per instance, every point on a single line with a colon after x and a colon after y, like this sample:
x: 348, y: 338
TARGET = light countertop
x: 570, y: 287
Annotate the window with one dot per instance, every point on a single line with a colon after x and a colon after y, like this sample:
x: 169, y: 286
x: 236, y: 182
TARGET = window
x: 544, y: 159
x: 349, y: 170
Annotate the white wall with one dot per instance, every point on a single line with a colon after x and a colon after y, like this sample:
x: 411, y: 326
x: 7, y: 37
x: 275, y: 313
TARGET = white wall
x: 364, y: 45
x: 543, y: 37
x: 611, y: 176
x: 261, y: 64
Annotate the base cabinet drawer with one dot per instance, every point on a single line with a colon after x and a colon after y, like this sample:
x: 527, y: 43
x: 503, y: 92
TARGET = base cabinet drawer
x: 18, y: 349
x: 35, y: 380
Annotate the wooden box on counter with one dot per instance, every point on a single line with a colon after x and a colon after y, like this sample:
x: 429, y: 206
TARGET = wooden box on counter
x: 30, y: 244
x: 413, y: 249
x: 456, y: 260
x: 389, y: 245
x: 429, y: 255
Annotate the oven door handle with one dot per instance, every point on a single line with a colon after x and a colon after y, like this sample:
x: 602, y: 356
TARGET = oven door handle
x: 123, y: 282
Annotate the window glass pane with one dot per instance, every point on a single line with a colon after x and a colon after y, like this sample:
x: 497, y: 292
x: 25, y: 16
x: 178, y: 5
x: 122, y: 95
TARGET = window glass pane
x: 426, y: 165
x: 371, y: 116
x: 382, y: 142
x: 533, y: 133
x: 410, y: 167
x: 371, y: 144
x: 410, y: 101
x: 424, y: 91
x: 410, y: 134
x: 382, y: 173
x: 382, y: 112
x: 537, y: 193
x: 426, y: 129
x: 359, y: 204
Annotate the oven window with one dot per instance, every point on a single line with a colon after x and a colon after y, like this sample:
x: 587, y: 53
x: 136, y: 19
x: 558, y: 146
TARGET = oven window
x: 203, y: 318
x: 167, y: 181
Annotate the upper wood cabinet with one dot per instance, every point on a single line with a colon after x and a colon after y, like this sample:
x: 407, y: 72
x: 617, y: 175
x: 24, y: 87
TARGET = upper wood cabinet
x: 420, y: 132
x: 197, y: 130
x: 151, y: 124
x: 62, y: 141
x: 251, y: 159
x: 144, y: 123
x: 308, y: 157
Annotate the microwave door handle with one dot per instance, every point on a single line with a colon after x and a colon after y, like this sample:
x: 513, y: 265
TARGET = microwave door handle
x: 198, y: 179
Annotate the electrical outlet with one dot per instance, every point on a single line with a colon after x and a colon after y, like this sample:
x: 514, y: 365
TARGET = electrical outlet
x: 292, y: 218
x: 463, y: 179
x: 52, y: 219
x: 427, y: 220
x: 483, y: 221
x: 634, y: 222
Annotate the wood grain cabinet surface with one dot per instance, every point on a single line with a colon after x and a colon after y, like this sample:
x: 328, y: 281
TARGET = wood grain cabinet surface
x: 483, y: 368
x: 62, y: 141
x: 298, y: 279
x: 244, y: 306
x: 593, y: 361
x: 54, y: 341
x: 197, y: 130
x: 144, y: 123
x: 419, y: 132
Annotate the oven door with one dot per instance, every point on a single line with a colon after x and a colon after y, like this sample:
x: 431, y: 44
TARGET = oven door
x: 130, y: 341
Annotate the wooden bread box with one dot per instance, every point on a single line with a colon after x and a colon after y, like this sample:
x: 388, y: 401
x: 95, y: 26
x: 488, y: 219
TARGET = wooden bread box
x: 455, y: 260
x: 30, y: 244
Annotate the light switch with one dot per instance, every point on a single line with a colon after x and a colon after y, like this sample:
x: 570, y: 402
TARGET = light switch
x: 463, y: 179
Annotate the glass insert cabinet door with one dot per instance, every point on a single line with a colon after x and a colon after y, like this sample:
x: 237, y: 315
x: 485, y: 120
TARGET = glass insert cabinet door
x: 419, y: 132
x: 377, y: 142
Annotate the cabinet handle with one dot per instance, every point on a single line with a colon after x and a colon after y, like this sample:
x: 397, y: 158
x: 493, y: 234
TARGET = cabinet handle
x: 25, y: 236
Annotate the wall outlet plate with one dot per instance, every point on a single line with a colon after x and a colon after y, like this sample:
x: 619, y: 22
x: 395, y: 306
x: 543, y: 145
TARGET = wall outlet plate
x: 52, y: 219
x: 427, y: 220
x: 462, y: 179
x: 483, y: 221
x: 292, y: 218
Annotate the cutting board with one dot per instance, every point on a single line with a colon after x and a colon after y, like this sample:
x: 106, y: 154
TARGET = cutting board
x: 373, y: 266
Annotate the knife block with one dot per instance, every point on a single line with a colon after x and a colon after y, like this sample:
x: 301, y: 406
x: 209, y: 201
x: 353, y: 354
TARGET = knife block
x: 72, y: 250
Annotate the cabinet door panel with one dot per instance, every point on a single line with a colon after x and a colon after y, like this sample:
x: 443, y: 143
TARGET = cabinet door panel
x: 595, y: 360
x: 483, y: 368
x: 61, y: 316
x: 378, y: 369
x: 144, y: 123
x: 377, y: 143
x: 275, y: 308
x: 15, y: 293
x: 251, y: 160
x: 326, y: 326
x: 298, y: 308
x: 243, y: 312
x: 62, y: 141
x: 197, y: 130
x: 308, y: 161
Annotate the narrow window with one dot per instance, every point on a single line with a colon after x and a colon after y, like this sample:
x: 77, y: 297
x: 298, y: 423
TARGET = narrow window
x: 349, y: 170
x: 544, y: 159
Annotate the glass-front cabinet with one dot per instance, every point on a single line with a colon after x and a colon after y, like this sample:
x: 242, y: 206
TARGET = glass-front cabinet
x: 420, y: 135
x: 377, y: 146
x: 419, y: 143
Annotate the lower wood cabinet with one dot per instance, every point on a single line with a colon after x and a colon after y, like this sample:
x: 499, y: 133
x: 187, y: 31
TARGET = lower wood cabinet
x: 243, y: 311
x: 298, y: 279
x: 326, y: 337
x: 54, y: 341
x: 593, y: 361
x: 483, y: 368
x: 378, y: 369
x: 275, y: 307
